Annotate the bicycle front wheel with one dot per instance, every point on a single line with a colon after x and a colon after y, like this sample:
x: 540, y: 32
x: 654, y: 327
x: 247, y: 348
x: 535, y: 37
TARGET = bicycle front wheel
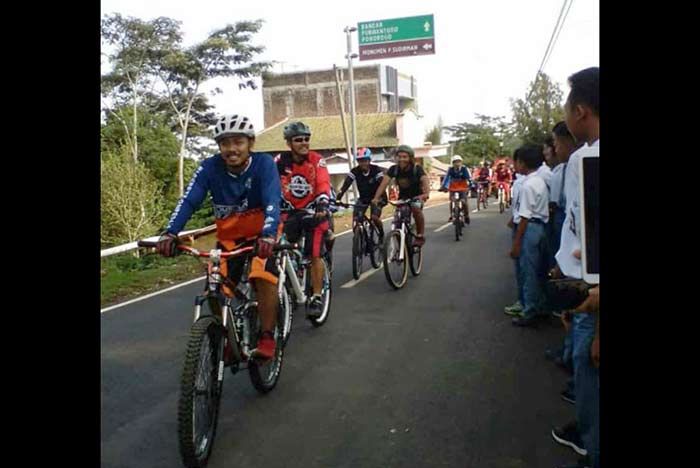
x: 264, y: 375
x: 200, y: 391
x: 395, y: 268
x: 375, y: 254
x: 326, y: 294
x: 358, y: 252
x: 415, y: 257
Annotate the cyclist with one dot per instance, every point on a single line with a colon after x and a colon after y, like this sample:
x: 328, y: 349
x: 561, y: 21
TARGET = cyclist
x: 367, y: 176
x: 245, y: 191
x: 483, y: 178
x: 306, y: 185
x: 458, y: 180
x: 413, y: 185
x: 503, y: 176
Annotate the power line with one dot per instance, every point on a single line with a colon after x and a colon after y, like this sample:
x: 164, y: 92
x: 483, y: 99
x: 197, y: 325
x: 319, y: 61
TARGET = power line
x: 551, y: 40
x: 561, y: 26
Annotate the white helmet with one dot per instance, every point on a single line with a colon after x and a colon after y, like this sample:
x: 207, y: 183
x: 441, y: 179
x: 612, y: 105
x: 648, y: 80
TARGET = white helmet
x: 456, y: 157
x: 232, y: 125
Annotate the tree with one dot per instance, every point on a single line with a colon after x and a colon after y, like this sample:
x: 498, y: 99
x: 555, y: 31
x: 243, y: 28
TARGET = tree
x: 435, y: 134
x: 482, y: 140
x: 134, y: 42
x: 131, y: 205
x: 226, y: 52
x: 535, y: 116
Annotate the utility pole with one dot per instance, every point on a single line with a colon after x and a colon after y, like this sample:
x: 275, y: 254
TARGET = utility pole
x: 348, y: 32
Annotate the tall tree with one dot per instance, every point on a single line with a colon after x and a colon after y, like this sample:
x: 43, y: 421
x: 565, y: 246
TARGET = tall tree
x: 535, y: 116
x: 227, y: 52
x: 482, y: 139
x: 132, y: 43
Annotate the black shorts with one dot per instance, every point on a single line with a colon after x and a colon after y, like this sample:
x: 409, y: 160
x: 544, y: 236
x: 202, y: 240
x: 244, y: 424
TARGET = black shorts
x: 376, y: 210
x: 295, y: 226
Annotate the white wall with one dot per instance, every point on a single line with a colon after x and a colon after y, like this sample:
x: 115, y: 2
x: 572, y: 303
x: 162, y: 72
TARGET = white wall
x: 411, y: 131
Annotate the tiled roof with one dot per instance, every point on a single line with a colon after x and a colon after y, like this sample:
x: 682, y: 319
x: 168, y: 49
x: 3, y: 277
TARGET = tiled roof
x: 373, y: 130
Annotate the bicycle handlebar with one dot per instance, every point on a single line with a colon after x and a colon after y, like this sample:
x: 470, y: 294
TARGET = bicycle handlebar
x: 234, y: 253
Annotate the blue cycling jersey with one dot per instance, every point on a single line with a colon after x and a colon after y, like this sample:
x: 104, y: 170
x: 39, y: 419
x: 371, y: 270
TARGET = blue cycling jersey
x: 245, y: 204
x: 452, y: 174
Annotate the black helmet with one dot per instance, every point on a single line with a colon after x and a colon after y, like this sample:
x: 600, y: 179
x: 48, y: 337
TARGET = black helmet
x: 296, y: 129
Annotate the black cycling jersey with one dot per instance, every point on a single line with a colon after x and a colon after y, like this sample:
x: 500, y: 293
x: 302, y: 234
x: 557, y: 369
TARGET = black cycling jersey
x: 367, y: 183
x: 408, y: 181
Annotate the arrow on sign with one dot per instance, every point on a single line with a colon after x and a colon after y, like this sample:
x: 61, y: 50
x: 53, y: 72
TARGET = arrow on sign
x: 426, y: 26
x: 427, y: 46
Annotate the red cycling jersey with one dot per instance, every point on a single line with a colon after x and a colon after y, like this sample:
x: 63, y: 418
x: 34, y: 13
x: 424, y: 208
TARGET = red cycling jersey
x: 503, y: 176
x: 306, y: 183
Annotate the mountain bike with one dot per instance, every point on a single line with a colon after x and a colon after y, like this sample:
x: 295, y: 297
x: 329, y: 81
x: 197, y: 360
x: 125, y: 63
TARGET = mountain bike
x: 400, y: 253
x: 501, y: 198
x: 224, y: 333
x: 457, y: 214
x: 295, y: 274
x: 365, y: 239
x: 482, y: 195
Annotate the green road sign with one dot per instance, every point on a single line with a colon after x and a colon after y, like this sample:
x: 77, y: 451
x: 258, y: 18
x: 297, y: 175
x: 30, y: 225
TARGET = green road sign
x: 396, y: 29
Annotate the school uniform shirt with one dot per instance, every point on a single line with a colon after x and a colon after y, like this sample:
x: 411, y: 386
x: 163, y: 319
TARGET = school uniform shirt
x: 571, y: 230
x: 533, y: 199
x: 545, y: 174
x: 516, y: 192
x: 556, y: 187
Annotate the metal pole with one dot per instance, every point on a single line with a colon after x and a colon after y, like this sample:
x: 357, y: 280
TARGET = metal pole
x: 348, y: 31
x: 342, y: 122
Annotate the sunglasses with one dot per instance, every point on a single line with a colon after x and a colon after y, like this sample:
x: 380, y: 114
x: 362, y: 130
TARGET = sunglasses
x: 305, y: 139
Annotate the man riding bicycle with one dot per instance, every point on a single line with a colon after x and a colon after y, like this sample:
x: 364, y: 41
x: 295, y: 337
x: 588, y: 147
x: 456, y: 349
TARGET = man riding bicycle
x: 483, y: 178
x: 306, y: 186
x: 245, y: 191
x: 413, y: 183
x: 502, y: 176
x: 367, y: 176
x: 458, y: 180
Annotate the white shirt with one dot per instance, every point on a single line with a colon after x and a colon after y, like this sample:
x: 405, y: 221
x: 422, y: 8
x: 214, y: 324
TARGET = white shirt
x: 545, y: 173
x: 516, y: 192
x: 533, y: 199
x: 555, y: 187
x: 570, y: 232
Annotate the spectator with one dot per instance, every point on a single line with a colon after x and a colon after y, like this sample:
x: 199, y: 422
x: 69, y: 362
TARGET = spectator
x: 529, y: 244
x: 583, y: 121
x: 517, y: 308
x: 549, y: 152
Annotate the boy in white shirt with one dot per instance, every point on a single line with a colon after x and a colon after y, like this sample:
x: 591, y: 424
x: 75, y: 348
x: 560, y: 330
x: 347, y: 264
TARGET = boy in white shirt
x: 530, y: 242
x: 517, y: 308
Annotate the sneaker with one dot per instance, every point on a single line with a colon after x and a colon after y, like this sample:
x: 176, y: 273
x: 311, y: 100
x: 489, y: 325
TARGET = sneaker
x: 568, y: 396
x: 569, y: 436
x: 513, y: 313
x: 517, y: 307
x: 556, y: 313
x: 266, y: 347
x: 315, y: 305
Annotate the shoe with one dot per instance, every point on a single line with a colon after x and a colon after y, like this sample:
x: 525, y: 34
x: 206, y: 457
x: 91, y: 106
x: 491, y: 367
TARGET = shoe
x: 569, y: 436
x: 517, y: 307
x: 266, y: 347
x: 315, y: 305
x: 525, y: 322
x: 513, y: 312
x: 556, y: 313
x: 581, y: 463
x: 568, y: 396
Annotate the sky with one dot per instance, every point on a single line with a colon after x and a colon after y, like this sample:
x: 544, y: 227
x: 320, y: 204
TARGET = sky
x: 487, y: 51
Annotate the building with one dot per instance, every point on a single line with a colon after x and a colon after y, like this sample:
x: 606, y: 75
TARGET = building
x: 378, y: 89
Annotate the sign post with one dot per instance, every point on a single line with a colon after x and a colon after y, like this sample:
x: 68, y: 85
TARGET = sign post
x: 397, y: 37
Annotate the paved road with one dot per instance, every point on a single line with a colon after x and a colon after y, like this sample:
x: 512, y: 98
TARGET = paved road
x: 433, y: 375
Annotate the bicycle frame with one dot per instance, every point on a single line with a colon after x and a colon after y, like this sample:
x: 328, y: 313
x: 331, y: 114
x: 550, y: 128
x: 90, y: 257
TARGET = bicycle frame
x: 402, y: 219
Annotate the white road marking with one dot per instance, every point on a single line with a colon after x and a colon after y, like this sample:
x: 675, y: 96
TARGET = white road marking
x: 444, y: 226
x: 362, y: 277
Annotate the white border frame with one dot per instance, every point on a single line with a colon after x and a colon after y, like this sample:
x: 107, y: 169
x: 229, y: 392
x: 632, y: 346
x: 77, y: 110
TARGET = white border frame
x: 588, y: 152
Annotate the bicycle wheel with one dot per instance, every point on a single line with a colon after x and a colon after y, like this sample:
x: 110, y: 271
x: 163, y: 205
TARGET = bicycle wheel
x: 264, y: 375
x: 501, y: 203
x: 457, y: 221
x: 200, y: 391
x: 358, y: 252
x: 326, y: 294
x: 286, y: 311
x: 478, y: 201
x: 395, y: 269
x: 415, y: 258
x: 375, y: 255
